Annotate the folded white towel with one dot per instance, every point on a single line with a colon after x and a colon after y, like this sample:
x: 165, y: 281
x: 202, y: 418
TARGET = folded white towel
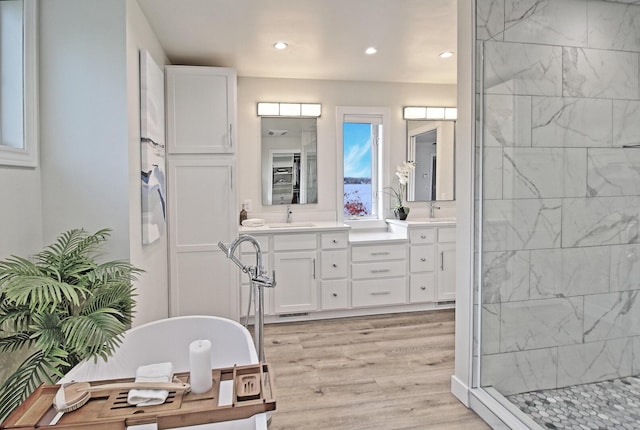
x: 160, y: 372
x: 253, y: 222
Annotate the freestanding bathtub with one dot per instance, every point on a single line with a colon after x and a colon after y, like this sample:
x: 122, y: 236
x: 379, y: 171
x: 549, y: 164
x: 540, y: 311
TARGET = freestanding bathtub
x: 168, y: 340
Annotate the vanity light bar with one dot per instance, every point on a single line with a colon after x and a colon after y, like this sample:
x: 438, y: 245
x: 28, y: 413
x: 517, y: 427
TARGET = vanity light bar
x: 289, y: 109
x: 428, y: 112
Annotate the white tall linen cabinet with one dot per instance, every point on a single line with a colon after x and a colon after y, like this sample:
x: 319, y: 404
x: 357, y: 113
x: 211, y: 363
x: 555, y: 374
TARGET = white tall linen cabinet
x: 201, y: 190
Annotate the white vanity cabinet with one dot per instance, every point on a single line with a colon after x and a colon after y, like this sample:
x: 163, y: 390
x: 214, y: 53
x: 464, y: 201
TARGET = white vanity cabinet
x: 422, y: 279
x: 378, y: 273
x: 334, y: 271
x: 295, y: 261
x: 201, y: 114
x: 248, y: 257
x: 446, y: 260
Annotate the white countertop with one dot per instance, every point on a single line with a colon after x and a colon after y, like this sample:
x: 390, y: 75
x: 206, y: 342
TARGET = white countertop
x: 295, y: 227
x: 426, y: 222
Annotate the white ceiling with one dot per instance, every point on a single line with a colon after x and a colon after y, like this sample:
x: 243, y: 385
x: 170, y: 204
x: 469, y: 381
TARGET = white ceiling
x: 326, y: 38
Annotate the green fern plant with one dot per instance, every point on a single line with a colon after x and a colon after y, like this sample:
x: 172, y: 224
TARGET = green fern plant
x: 61, y: 308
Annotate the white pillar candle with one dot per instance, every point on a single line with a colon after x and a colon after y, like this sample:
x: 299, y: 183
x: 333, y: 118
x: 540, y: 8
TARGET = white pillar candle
x: 200, y: 366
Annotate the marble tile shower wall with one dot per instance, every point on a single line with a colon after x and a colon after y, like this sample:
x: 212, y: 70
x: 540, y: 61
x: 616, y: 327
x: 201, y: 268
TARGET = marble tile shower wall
x: 561, y: 217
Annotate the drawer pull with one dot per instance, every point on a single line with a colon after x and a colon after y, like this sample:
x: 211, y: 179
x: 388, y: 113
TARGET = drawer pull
x: 422, y: 236
x: 423, y: 259
x: 381, y: 271
x: 334, y: 265
x: 334, y: 241
x: 423, y: 288
x: 335, y: 294
x: 442, y: 260
x: 314, y: 268
x: 380, y: 293
x: 381, y: 253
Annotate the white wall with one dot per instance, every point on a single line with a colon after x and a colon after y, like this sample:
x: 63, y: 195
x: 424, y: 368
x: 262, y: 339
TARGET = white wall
x: 90, y: 132
x: 330, y: 94
x: 153, y: 286
x: 83, y: 119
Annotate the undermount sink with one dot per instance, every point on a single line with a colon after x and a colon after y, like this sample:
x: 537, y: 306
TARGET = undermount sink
x: 290, y: 224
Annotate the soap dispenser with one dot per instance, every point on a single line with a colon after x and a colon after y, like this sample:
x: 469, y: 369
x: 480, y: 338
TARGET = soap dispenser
x: 243, y: 214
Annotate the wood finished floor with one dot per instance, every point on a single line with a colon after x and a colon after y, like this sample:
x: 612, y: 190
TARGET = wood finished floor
x: 379, y: 372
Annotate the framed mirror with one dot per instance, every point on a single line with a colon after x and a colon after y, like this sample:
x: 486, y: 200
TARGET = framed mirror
x: 431, y: 145
x: 289, y: 160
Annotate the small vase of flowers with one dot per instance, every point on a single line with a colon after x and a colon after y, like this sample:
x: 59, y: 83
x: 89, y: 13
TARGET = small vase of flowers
x: 402, y: 172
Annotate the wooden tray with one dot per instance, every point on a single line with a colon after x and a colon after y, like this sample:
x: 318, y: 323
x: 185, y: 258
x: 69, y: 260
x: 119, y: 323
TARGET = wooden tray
x: 108, y: 410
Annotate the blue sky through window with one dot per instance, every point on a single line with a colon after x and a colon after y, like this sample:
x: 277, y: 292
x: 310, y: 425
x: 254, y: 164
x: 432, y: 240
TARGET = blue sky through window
x: 357, y: 150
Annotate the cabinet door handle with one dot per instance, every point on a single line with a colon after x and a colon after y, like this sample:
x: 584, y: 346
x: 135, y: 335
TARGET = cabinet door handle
x: 422, y: 236
x: 380, y: 253
x: 230, y: 135
x: 423, y: 288
x: 335, y: 265
x: 314, y: 268
x: 423, y: 259
x: 380, y: 271
x: 335, y: 294
x: 335, y: 241
x: 441, y: 260
x: 231, y: 178
x: 380, y: 293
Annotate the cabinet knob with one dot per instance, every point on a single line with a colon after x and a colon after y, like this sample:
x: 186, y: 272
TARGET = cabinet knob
x: 423, y: 259
x: 335, y: 241
x: 423, y: 288
x: 422, y: 236
x: 334, y: 265
x: 335, y: 294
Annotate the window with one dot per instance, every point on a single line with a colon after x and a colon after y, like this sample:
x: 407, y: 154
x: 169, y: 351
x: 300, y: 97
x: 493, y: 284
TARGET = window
x: 362, y: 133
x: 18, y: 119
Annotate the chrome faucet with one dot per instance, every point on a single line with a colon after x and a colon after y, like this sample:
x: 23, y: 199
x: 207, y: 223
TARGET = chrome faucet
x: 258, y: 279
x: 289, y: 214
x: 432, y: 208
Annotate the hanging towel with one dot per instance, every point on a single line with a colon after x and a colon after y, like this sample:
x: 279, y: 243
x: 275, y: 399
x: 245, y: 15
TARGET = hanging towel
x: 160, y: 372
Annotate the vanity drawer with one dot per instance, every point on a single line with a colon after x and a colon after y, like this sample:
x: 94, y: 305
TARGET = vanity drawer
x: 422, y: 288
x: 378, y: 292
x: 334, y: 264
x: 422, y: 258
x: 446, y: 234
x: 288, y: 242
x: 379, y: 252
x: 334, y: 240
x: 422, y: 235
x: 335, y: 294
x: 382, y: 269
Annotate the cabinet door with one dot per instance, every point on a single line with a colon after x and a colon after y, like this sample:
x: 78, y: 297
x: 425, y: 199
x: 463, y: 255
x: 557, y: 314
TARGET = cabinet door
x: 446, y: 272
x: 296, y: 285
x: 201, y: 203
x: 200, y: 109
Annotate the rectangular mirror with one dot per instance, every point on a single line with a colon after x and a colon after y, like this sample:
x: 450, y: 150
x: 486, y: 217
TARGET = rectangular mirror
x: 289, y: 161
x: 431, y: 145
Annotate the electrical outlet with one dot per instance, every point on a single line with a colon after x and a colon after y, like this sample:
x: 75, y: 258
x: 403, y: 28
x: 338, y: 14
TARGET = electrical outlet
x: 247, y: 205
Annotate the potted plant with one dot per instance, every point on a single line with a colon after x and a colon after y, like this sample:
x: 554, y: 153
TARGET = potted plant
x: 61, y: 308
x: 402, y: 172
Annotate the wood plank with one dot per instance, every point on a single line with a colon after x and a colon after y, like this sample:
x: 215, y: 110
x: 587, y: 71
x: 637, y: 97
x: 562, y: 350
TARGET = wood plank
x: 374, y: 372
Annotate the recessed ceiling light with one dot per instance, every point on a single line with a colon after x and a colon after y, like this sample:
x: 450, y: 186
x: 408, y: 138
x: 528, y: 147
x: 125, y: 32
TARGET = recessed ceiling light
x: 280, y: 45
x: 446, y: 54
x: 370, y: 50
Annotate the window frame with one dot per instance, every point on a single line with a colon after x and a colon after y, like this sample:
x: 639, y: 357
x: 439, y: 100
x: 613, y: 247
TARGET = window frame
x: 382, y: 165
x: 27, y: 156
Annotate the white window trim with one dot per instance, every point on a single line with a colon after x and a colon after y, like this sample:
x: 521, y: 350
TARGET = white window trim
x: 383, y: 165
x: 27, y: 156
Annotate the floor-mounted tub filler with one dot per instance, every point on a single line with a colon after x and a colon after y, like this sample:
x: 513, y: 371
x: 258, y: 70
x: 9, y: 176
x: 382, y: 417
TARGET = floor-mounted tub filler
x: 168, y: 340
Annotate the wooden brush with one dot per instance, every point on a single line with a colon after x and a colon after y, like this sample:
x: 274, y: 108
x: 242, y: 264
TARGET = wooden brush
x: 73, y: 395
